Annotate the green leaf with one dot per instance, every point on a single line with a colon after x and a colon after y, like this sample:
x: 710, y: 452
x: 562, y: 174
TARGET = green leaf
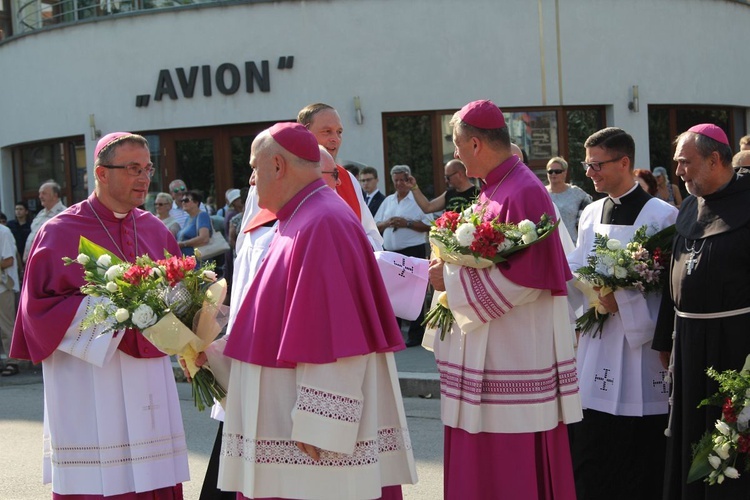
x: 701, y: 468
x: 88, y: 247
x: 662, y: 239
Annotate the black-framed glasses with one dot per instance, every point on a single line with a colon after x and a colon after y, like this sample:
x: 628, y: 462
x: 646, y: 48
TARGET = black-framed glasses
x: 556, y: 171
x: 448, y: 177
x: 185, y: 200
x: 334, y: 173
x: 596, y: 166
x: 367, y: 179
x: 158, y: 204
x: 134, y: 170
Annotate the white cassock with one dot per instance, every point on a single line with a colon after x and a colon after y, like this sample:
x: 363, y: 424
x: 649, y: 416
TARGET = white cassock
x: 127, y: 435
x: 618, y: 371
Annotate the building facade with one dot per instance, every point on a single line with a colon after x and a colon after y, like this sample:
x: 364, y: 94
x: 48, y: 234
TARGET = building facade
x: 201, y: 80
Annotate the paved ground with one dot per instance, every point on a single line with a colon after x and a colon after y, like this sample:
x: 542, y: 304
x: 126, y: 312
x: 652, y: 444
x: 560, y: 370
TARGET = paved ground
x: 21, y: 408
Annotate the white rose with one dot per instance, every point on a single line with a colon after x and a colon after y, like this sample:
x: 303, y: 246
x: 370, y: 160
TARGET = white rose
x: 122, y: 315
x: 209, y: 275
x: 83, y: 259
x: 731, y: 473
x: 112, y: 286
x: 104, y: 261
x: 526, y: 226
x: 144, y: 316
x: 714, y: 461
x: 465, y: 234
x: 620, y: 272
x: 529, y: 237
x: 155, y: 272
x: 723, y: 427
x: 614, y: 244
x: 113, y: 272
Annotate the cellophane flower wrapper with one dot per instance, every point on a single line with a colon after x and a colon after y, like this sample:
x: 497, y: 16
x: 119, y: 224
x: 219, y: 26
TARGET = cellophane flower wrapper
x: 638, y: 265
x: 159, y: 299
x: 468, y: 239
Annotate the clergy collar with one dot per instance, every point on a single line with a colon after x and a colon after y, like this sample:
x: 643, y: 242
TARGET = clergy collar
x: 103, y: 211
x: 618, y: 200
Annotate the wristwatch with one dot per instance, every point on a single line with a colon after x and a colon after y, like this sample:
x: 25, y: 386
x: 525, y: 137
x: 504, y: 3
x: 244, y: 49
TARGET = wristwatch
x: 408, y: 223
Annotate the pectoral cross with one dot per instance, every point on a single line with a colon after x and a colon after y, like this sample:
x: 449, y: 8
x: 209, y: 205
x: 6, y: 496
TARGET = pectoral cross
x: 691, y: 263
x: 151, y: 407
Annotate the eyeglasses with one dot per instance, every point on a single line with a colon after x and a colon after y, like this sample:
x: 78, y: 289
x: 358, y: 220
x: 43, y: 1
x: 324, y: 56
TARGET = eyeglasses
x: 556, y: 171
x: 157, y: 204
x: 367, y: 179
x: 185, y: 200
x: 448, y: 177
x: 596, y: 166
x: 134, y: 170
x: 179, y: 189
x: 334, y: 173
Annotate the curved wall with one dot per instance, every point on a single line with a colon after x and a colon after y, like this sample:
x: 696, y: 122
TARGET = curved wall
x: 397, y: 55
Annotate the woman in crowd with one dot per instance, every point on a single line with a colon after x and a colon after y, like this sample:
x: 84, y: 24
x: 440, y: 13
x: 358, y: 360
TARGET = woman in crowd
x: 163, y: 204
x: 569, y: 199
x: 666, y: 190
x: 197, y: 230
x: 646, y: 179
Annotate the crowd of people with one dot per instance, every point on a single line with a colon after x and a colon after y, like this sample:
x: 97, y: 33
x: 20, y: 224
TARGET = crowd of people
x: 531, y: 408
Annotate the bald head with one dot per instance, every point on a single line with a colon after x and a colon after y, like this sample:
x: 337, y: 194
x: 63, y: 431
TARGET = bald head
x: 741, y: 159
x: 328, y: 166
x: 279, y: 174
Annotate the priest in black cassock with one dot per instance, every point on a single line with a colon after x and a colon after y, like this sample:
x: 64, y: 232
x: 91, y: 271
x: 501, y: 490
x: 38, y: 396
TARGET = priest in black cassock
x: 710, y: 275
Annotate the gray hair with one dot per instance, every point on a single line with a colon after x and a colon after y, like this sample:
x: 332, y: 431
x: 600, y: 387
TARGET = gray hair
x: 706, y: 146
x: 400, y: 169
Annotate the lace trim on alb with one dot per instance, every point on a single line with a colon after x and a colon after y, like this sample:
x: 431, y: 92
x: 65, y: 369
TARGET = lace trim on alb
x: 285, y: 452
x: 328, y: 405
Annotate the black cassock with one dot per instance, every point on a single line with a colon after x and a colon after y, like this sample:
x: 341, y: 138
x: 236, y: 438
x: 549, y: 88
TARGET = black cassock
x: 710, y: 272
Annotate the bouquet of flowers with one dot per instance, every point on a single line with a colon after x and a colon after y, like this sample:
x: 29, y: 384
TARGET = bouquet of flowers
x: 174, y: 305
x: 467, y: 239
x: 717, y: 454
x: 638, y: 265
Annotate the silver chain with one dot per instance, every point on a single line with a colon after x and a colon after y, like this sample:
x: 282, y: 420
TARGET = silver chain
x: 135, y: 232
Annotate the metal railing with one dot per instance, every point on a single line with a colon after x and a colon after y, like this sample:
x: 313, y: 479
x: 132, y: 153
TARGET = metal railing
x: 32, y: 15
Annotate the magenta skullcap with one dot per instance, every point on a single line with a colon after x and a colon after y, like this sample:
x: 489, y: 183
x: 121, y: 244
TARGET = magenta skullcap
x: 712, y: 131
x: 482, y: 114
x: 108, y: 140
x: 296, y: 139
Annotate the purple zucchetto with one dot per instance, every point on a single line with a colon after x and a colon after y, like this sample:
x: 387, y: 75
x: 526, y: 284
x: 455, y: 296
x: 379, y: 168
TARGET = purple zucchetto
x: 482, y: 114
x: 108, y: 140
x: 296, y: 139
x: 712, y: 131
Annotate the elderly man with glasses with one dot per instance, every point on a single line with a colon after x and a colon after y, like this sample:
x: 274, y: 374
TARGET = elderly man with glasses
x: 620, y: 376
x: 112, y: 415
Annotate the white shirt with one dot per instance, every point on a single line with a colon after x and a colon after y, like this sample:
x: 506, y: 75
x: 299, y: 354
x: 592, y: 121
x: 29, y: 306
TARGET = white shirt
x: 8, y: 249
x: 399, y: 238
